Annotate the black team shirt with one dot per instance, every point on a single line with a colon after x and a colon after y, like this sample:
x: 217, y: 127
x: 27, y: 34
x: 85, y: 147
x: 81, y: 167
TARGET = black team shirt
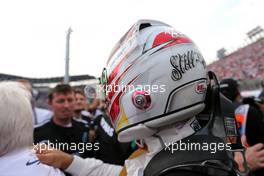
x: 72, y: 140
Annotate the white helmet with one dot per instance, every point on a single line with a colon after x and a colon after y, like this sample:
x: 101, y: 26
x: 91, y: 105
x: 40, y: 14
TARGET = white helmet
x: 155, y: 77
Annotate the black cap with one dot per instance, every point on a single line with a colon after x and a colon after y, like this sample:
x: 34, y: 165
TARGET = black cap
x: 229, y: 88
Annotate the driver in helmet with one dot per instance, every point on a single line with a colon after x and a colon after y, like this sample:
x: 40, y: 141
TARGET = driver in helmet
x: 155, y: 84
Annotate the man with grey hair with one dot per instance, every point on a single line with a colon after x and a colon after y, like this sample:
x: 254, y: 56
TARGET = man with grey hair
x: 16, y: 134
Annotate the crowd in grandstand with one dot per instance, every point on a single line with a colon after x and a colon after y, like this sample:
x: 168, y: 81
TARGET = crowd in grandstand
x: 245, y: 63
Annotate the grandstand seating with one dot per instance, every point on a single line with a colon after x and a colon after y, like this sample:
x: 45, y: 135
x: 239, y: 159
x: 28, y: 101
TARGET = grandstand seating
x: 245, y: 63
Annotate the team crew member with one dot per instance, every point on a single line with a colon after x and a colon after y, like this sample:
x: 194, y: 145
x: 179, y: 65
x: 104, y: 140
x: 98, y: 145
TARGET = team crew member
x: 80, y: 105
x: 248, y: 117
x: 16, y: 134
x: 62, y: 131
x: 82, y: 115
x: 250, y: 124
x: 111, y: 150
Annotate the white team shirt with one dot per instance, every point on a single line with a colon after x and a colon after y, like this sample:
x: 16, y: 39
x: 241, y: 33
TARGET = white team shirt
x: 24, y: 162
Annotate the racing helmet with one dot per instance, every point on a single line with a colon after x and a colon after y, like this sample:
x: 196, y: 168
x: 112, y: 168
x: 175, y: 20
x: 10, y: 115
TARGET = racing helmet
x: 155, y: 76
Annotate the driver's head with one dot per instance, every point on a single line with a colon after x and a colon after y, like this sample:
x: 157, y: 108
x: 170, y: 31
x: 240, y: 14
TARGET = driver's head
x: 155, y: 76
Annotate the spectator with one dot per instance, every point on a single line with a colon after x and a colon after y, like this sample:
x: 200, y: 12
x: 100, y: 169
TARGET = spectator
x: 80, y: 112
x: 249, y: 119
x: 62, y: 129
x: 16, y: 134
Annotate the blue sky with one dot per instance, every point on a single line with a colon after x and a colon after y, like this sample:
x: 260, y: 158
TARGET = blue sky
x: 32, y: 33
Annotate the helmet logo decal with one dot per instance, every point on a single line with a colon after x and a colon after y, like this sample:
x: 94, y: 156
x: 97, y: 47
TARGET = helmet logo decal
x: 201, y: 87
x: 181, y: 63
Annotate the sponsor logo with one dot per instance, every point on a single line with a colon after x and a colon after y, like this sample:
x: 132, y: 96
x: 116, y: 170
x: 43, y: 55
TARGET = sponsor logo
x: 29, y: 163
x: 195, y: 125
x: 201, y: 87
x: 182, y: 63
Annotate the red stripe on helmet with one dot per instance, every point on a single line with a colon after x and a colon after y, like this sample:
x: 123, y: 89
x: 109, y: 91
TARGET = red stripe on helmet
x: 164, y: 37
x: 178, y: 40
x: 115, y: 108
x: 112, y: 92
x: 115, y: 70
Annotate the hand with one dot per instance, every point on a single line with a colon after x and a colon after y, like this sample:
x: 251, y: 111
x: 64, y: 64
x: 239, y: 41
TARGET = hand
x: 254, y: 156
x: 52, y: 157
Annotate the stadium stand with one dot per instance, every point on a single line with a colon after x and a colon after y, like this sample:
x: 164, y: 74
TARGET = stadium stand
x: 243, y: 64
x: 45, y: 80
x: 41, y: 86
